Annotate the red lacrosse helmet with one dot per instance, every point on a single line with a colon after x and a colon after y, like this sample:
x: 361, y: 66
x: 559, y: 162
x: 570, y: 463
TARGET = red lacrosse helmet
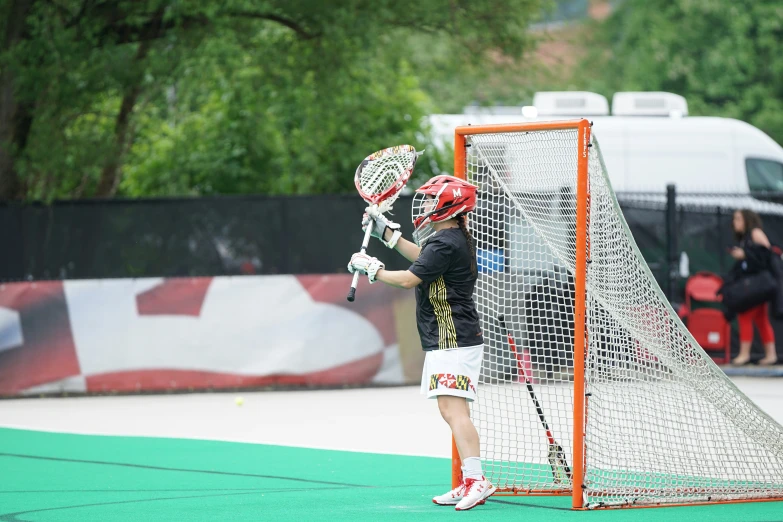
x: 449, y: 197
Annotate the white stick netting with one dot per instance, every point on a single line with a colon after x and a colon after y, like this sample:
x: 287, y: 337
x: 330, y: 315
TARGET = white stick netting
x: 384, y: 170
x: 664, y: 424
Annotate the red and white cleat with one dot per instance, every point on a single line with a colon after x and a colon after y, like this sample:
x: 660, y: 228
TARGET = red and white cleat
x: 452, y: 497
x: 476, y: 492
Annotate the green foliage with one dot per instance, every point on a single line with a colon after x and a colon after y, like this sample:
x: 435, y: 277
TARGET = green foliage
x: 724, y: 57
x: 172, y: 98
x: 237, y: 125
x: 287, y: 97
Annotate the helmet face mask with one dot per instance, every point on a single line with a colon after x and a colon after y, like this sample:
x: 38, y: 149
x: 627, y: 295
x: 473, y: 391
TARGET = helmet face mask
x: 440, y: 199
x: 423, y: 208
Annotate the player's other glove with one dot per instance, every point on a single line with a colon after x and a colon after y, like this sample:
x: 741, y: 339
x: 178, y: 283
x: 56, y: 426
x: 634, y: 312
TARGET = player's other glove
x: 365, y: 264
x: 379, y: 225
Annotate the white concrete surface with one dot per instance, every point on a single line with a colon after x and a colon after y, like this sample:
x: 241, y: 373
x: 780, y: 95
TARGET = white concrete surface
x: 380, y: 420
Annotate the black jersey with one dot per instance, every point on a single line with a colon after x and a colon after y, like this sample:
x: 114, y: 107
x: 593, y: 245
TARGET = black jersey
x: 445, y: 311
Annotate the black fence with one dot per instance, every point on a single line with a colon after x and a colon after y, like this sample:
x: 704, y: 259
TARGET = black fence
x: 185, y: 237
x: 310, y: 234
x: 693, y: 230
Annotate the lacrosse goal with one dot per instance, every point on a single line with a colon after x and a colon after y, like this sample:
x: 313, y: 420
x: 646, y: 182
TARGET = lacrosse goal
x: 583, y: 352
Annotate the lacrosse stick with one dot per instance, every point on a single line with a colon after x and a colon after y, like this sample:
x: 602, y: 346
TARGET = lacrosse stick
x: 557, y: 458
x: 379, y: 180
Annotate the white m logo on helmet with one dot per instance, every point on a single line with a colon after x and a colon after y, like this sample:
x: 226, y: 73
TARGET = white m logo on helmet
x: 457, y: 192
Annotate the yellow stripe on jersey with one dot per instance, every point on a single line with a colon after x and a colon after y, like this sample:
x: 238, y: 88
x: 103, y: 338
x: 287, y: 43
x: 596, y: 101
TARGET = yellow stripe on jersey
x: 437, y: 307
x: 447, y: 333
x: 451, y: 331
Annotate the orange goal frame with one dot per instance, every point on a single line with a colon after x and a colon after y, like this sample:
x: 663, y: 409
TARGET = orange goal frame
x: 583, y: 128
x: 580, y: 334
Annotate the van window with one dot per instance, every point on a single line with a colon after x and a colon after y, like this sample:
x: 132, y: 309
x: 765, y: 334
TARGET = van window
x: 764, y: 175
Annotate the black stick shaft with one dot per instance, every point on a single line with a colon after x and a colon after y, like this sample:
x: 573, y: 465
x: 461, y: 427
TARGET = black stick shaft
x: 529, y: 385
x: 367, y: 234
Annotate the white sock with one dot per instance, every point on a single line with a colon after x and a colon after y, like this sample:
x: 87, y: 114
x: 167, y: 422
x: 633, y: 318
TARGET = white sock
x: 472, y: 468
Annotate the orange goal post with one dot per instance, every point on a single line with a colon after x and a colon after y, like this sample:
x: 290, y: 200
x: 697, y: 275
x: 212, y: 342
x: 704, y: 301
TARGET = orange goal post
x: 591, y: 386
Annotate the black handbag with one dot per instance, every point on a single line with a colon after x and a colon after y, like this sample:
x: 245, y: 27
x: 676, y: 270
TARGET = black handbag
x: 776, y: 267
x: 749, y: 291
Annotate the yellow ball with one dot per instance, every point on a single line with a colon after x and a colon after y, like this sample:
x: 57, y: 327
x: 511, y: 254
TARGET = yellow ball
x: 240, y: 401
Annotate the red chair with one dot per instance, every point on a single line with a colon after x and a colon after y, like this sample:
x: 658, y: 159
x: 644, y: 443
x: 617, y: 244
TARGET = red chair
x: 707, y: 325
x: 702, y: 287
x: 711, y: 331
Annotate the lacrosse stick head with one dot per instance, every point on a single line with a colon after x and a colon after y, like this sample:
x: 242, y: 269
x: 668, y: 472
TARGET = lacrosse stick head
x: 382, y: 175
x: 561, y: 473
x: 442, y: 197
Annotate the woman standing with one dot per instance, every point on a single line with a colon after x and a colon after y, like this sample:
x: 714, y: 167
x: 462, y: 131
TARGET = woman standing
x: 752, y: 255
x: 444, y: 273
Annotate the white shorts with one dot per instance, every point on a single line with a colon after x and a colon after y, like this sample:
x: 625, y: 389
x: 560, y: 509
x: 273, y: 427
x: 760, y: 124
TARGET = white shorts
x: 452, y: 372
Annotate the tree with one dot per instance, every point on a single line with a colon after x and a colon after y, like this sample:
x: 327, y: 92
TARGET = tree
x: 723, y: 57
x: 61, y: 60
x: 233, y: 124
x: 93, y: 90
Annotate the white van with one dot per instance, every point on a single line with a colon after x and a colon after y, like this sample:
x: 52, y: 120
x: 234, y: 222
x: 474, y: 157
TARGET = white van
x: 650, y: 142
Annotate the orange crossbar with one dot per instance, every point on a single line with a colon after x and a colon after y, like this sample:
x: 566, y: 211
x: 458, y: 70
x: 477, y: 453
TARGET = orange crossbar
x: 466, y: 130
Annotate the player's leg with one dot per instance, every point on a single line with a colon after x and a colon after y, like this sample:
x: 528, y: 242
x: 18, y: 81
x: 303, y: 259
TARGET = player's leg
x: 767, y: 335
x: 476, y: 487
x: 455, y: 412
x: 453, y: 375
x: 745, y: 322
x: 432, y: 377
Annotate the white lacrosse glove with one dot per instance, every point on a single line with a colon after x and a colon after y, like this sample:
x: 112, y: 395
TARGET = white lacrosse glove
x: 365, y: 264
x: 379, y: 225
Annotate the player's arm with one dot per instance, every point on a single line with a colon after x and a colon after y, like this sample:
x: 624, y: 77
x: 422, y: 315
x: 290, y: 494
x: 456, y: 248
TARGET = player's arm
x: 399, y: 278
x: 426, y: 268
x: 759, y: 237
x: 408, y: 250
x: 376, y: 271
x: 389, y: 234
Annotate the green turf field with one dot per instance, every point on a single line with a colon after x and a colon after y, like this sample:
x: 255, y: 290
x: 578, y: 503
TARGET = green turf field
x: 48, y: 476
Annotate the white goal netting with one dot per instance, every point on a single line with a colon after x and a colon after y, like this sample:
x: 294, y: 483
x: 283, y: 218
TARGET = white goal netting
x: 664, y: 424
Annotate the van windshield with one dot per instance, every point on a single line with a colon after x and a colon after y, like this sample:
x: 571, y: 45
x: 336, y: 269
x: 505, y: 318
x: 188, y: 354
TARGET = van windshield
x: 764, y: 175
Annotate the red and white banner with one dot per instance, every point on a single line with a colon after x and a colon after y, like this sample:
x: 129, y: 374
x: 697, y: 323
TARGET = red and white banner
x: 199, y: 333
